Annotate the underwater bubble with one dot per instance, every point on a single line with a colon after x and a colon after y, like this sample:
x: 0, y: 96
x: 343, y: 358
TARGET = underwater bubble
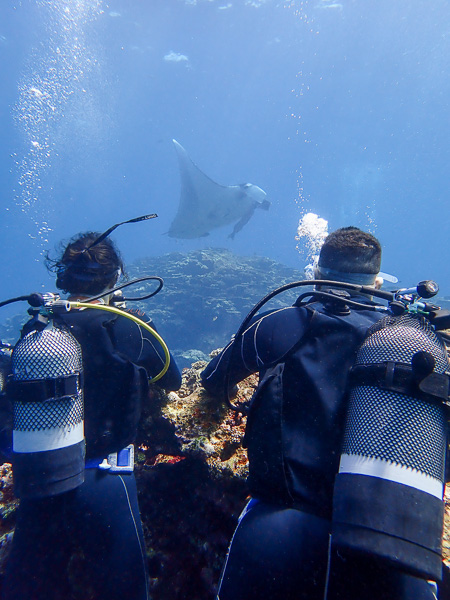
x: 56, y: 98
x: 312, y: 231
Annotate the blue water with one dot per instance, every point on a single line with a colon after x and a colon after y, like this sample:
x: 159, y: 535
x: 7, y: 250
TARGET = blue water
x: 337, y: 108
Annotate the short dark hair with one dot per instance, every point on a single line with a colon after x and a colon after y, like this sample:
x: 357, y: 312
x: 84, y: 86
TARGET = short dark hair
x: 82, y: 269
x: 351, y: 250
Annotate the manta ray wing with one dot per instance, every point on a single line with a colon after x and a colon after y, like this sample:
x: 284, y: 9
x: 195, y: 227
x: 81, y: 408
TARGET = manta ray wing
x: 205, y: 204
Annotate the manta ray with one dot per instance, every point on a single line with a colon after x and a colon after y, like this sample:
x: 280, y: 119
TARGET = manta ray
x: 206, y: 205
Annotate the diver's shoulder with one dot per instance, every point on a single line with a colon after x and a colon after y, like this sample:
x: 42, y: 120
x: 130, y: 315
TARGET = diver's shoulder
x: 136, y: 313
x: 283, y: 317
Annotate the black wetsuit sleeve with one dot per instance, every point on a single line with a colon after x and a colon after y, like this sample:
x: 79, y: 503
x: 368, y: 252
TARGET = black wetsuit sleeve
x: 142, y: 348
x: 213, y: 377
x: 264, y: 343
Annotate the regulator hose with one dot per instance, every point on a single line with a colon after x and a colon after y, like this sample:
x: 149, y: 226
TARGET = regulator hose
x: 69, y: 305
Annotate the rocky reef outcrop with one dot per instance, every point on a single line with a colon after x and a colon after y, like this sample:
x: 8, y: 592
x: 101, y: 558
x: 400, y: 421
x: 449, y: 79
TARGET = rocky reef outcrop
x: 206, y: 295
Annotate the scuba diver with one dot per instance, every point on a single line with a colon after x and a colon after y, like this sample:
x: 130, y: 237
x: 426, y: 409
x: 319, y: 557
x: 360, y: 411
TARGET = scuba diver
x: 282, y: 548
x: 84, y: 539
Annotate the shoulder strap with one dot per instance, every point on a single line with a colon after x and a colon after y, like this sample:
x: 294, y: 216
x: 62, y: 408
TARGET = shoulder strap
x: 299, y: 342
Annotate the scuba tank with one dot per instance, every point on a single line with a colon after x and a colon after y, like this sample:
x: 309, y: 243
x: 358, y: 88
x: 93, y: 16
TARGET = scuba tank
x: 388, y: 495
x: 46, y: 391
x: 47, y: 396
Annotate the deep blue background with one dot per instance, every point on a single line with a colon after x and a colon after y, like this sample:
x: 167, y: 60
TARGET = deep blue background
x: 339, y: 108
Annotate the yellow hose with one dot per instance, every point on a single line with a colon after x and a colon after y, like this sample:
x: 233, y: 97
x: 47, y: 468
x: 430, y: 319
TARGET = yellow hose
x: 123, y: 313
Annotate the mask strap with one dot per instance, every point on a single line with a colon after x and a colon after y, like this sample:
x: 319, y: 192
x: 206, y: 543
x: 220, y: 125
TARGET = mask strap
x: 358, y: 278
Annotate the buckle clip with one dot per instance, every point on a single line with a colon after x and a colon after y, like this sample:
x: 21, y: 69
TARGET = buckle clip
x: 119, y: 462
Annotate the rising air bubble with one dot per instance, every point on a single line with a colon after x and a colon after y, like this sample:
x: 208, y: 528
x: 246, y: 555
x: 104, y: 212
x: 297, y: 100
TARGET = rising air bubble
x: 311, y: 231
x: 56, y: 104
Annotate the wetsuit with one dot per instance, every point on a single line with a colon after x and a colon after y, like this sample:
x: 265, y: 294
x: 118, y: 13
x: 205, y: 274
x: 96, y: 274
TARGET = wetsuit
x: 88, y: 542
x: 280, y: 549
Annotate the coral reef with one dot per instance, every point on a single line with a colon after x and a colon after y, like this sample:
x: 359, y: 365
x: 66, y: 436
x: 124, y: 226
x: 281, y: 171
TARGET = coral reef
x: 8, y: 505
x: 191, y: 484
x: 206, y: 295
x: 446, y: 534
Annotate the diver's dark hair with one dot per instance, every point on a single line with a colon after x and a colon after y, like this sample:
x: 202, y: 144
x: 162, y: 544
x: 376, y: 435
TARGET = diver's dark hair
x: 350, y: 250
x: 86, y: 270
